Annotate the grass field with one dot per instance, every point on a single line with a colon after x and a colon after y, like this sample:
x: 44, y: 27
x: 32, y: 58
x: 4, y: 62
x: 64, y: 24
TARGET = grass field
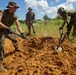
x: 51, y: 28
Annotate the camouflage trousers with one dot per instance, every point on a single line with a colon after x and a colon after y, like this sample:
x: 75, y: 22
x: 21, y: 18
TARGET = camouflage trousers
x: 31, y: 26
x: 69, y: 27
x: 3, y: 36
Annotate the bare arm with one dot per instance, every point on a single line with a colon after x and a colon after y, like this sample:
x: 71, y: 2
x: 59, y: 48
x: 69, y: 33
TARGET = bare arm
x: 1, y: 24
x: 18, y: 26
x: 65, y: 19
x: 65, y: 22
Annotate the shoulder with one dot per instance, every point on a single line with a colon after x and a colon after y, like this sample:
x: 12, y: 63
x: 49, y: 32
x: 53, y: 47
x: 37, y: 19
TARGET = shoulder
x: 27, y: 13
x: 15, y: 16
x: 33, y: 13
x: 71, y: 13
x: 4, y: 11
x: 1, y: 11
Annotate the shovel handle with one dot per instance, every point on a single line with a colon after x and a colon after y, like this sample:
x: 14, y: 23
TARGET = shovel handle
x: 19, y: 35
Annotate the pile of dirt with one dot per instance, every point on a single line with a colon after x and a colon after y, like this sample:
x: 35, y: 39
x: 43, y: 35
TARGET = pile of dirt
x: 38, y: 57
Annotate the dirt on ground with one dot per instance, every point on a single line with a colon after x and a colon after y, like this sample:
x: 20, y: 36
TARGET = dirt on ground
x: 39, y: 57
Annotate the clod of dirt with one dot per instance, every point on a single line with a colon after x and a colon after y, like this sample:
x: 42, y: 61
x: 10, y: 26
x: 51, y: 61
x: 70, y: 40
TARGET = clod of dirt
x: 38, y: 57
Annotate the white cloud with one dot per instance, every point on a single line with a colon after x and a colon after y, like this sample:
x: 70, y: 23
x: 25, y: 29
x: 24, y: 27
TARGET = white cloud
x: 42, y: 4
x: 68, y: 6
x: 71, y: 0
x: 42, y: 13
x: 52, y: 11
x: 41, y: 7
x: 31, y: 3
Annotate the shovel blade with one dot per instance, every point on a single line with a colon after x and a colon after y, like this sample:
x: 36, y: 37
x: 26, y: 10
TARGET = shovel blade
x: 59, y: 49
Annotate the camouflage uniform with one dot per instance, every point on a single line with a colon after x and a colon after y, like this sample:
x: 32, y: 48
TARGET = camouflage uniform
x: 30, y: 19
x: 8, y: 19
x: 72, y: 22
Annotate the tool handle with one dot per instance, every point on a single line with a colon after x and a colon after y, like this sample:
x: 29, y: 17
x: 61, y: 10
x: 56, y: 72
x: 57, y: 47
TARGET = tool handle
x: 19, y: 35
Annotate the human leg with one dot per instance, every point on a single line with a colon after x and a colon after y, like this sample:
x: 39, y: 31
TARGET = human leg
x: 2, y: 41
x: 69, y: 27
x: 74, y: 30
x: 14, y: 41
x: 29, y: 29
x: 33, y: 28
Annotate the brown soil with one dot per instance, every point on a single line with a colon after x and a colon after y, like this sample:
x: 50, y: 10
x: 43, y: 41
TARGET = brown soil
x: 38, y: 57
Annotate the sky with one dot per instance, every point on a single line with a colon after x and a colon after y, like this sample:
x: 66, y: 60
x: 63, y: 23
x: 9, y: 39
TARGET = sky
x: 40, y: 7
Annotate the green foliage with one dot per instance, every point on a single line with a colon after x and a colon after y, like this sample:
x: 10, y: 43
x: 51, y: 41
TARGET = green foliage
x: 58, y: 17
x: 45, y: 17
x: 49, y: 29
x: 23, y: 26
x: 22, y: 21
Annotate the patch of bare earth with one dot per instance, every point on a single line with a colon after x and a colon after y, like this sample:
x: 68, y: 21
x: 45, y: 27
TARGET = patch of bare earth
x: 38, y: 57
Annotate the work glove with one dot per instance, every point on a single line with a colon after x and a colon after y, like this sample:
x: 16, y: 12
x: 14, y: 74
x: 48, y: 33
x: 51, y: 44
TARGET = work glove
x: 61, y: 28
x: 9, y: 30
x: 23, y: 35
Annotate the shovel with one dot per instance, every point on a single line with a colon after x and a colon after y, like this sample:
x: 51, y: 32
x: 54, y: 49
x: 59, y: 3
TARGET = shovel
x: 19, y: 35
x: 13, y: 32
x: 61, y: 39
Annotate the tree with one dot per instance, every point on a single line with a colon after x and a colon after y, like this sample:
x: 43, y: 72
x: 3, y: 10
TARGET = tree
x: 45, y: 17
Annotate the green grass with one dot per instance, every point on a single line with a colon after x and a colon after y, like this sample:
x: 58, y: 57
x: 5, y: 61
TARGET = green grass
x: 51, y: 28
x: 42, y: 29
x: 23, y: 26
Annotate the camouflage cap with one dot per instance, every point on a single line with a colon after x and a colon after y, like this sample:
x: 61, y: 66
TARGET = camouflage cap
x: 12, y: 4
x: 60, y: 10
x: 29, y: 8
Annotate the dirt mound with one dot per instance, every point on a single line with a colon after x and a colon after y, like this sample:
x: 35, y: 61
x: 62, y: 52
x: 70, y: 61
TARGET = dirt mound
x: 38, y: 57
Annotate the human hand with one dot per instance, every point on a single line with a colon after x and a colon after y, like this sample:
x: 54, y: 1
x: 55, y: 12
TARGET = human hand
x: 9, y: 30
x: 61, y: 28
x: 23, y: 35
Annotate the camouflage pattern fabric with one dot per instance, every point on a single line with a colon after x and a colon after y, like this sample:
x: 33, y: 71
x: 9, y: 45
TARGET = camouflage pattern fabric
x: 30, y: 19
x: 7, y: 19
x: 4, y: 35
x: 71, y: 23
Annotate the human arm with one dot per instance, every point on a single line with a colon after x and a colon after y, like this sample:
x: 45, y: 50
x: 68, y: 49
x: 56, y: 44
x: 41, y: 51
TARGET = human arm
x: 19, y: 28
x: 65, y: 20
x: 33, y: 19
x: 1, y: 24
